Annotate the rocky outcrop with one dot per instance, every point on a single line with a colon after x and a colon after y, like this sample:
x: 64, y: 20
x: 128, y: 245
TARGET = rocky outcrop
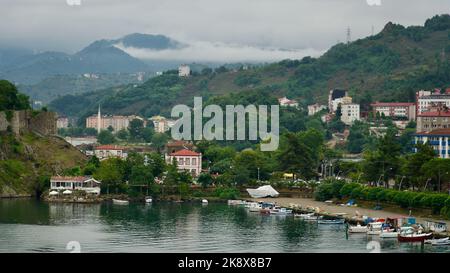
x: 42, y: 123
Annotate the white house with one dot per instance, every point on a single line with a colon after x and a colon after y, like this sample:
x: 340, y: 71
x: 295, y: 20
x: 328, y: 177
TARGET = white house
x: 108, y: 151
x: 83, y: 183
x: 187, y: 160
x: 315, y: 108
x: 184, y: 71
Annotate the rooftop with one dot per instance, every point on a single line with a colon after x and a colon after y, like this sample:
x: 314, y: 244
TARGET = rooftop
x: 110, y: 147
x: 70, y: 178
x: 392, y: 104
x: 185, y: 152
x: 435, y: 114
x: 438, y: 132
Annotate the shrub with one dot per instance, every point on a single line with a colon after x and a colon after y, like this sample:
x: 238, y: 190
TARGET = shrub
x: 438, y: 202
x: 372, y: 193
x: 324, y: 192
x: 347, y: 189
x: 417, y: 200
x: 227, y: 193
x: 426, y: 201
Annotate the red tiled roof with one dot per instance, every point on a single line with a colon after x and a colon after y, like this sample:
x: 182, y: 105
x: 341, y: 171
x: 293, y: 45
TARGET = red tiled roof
x: 392, y: 104
x: 185, y: 153
x: 435, y: 114
x: 437, y: 132
x: 110, y: 147
x: 69, y: 178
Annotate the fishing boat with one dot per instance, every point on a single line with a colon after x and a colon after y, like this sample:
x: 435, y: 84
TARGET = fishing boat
x: 358, y: 229
x: 120, y: 202
x: 386, y: 234
x: 148, y: 200
x: 204, y: 201
x: 409, y: 234
x: 374, y: 228
x: 255, y: 207
x: 280, y: 211
x: 304, y: 216
x: 331, y: 222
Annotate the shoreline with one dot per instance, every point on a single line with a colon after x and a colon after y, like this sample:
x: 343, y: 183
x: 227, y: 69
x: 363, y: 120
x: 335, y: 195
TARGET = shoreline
x: 302, y: 204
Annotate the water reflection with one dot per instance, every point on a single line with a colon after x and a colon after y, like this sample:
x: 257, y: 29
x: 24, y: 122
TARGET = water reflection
x: 31, y: 226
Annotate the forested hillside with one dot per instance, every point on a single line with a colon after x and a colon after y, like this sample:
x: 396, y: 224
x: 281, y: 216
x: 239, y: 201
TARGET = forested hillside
x: 389, y: 66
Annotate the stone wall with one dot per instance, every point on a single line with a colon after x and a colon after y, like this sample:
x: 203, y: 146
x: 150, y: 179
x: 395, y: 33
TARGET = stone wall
x: 43, y: 123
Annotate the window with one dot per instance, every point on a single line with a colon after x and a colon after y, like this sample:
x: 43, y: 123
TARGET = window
x: 188, y: 161
x: 181, y: 161
x: 194, y: 161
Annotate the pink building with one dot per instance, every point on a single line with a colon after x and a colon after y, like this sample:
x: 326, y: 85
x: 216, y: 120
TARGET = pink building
x: 187, y: 160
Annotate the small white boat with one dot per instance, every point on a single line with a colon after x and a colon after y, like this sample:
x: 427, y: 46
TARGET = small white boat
x: 386, y: 234
x: 204, y: 201
x: 148, y: 200
x: 437, y: 241
x: 280, y: 211
x: 374, y: 228
x: 255, y: 207
x: 120, y: 202
x: 441, y: 243
x: 67, y: 192
x: 308, y: 217
x: 331, y: 222
x: 53, y: 193
x: 358, y: 229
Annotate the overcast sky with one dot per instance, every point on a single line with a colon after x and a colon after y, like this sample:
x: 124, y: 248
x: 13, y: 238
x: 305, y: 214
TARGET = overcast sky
x: 213, y: 28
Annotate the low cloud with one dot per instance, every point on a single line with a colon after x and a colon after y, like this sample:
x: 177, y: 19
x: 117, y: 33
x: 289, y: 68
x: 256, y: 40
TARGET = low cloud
x: 220, y: 52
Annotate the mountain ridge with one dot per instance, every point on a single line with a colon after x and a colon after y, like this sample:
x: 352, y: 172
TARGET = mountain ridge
x: 391, y: 66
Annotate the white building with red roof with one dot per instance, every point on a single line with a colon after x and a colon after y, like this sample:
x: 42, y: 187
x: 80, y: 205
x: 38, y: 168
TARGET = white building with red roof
x: 108, y: 151
x: 187, y: 160
x: 285, y: 102
x: 83, y: 183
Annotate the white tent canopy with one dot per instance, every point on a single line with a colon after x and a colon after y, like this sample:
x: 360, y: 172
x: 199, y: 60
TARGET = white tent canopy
x: 264, y: 191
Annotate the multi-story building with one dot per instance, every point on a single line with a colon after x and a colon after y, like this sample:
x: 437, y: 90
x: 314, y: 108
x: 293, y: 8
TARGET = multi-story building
x: 103, y: 122
x: 187, y: 160
x: 439, y: 139
x: 406, y: 110
x: 350, y: 113
x: 429, y: 121
x: 62, y: 122
x: 335, y: 97
x: 184, y: 70
x: 428, y: 99
x: 315, y: 108
x: 162, y: 124
x: 109, y: 151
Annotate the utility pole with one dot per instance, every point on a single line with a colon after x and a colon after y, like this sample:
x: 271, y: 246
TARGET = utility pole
x: 349, y: 35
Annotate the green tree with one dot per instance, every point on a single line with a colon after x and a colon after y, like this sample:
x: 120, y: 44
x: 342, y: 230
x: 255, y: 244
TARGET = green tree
x: 111, y: 173
x: 105, y: 137
x: 205, y: 179
x: 135, y: 128
x: 296, y: 158
x: 438, y: 169
x: 159, y: 140
x: 11, y: 99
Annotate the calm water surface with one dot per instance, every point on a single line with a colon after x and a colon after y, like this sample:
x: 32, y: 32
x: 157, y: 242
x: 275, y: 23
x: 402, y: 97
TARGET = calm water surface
x: 33, y: 226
